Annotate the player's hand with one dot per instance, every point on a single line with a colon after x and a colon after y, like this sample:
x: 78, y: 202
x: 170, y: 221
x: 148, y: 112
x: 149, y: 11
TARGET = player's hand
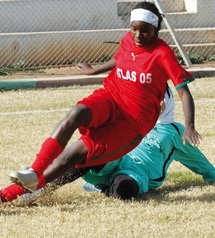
x: 85, y: 68
x: 192, y: 136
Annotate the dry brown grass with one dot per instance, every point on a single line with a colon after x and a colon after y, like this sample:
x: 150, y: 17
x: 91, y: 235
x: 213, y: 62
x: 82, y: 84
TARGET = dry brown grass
x: 182, y: 207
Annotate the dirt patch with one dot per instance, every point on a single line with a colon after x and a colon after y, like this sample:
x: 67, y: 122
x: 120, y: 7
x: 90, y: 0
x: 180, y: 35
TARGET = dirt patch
x: 41, y: 73
x: 64, y: 72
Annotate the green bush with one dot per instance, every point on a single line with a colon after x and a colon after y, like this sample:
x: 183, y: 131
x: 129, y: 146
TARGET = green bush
x: 211, y: 58
x: 195, y: 59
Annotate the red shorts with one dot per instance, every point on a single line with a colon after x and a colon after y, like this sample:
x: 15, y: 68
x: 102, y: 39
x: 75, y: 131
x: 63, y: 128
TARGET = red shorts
x: 109, y: 135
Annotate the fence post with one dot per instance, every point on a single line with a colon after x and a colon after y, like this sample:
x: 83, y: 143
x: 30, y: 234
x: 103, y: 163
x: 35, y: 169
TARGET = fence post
x: 173, y: 34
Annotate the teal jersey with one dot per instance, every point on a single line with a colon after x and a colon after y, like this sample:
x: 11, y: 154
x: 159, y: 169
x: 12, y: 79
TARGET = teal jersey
x: 148, y: 163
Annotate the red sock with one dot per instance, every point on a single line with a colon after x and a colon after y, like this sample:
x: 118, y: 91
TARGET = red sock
x: 11, y: 192
x: 49, y: 151
x: 42, y: 182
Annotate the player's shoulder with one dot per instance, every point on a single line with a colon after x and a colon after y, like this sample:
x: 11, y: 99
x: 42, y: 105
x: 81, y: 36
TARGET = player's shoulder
x: 162, y: 45
x: 126, y: 37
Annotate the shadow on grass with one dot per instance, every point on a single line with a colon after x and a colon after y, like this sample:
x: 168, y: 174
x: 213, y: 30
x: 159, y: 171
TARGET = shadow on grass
x: 177, y: 189
x: 180, y: 191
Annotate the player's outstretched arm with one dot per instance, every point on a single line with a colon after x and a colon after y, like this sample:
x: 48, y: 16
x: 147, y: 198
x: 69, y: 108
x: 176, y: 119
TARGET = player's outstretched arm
x: 89, y: 70
x: 190, y: 133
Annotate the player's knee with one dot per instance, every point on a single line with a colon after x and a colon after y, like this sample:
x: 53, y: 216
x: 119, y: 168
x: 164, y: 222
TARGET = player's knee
x: 74, y: 153
x: 124, y: 187
x: 70, y: 159
x: 80, y: 115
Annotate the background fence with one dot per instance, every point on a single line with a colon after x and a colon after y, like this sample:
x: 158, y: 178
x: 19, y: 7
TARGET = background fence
x: 49, y: 33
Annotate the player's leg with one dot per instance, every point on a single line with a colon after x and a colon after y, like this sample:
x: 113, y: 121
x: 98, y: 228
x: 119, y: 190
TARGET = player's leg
x: 73, y: 154
x: 80, y: 115
x: 14, y: 191
x: 192, y: 157
x: 86, y: 113
x: 97, y: 146
x: 11, y: 192
x: 31, y: 181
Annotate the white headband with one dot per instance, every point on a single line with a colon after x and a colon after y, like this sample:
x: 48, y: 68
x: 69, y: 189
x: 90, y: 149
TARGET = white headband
x: 140, y: 14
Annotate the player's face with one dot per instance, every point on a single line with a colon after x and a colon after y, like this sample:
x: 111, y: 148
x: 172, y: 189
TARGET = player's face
x: 143, y: 33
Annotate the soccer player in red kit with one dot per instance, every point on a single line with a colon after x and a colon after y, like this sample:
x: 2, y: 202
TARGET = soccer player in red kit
x: 114, y: 119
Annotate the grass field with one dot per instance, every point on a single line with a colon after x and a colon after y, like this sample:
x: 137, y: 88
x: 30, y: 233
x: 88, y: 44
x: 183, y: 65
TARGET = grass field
x: 182, y: 208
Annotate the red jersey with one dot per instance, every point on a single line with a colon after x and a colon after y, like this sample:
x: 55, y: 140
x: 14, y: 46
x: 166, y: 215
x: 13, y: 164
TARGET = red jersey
x: 138, y: 81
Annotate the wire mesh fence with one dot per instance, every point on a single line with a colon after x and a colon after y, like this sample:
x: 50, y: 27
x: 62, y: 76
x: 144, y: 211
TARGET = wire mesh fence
x: 50, y: 33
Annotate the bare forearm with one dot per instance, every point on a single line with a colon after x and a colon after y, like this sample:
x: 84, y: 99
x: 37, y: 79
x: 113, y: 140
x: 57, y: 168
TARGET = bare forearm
x: 105, y: 67
x: 89, y: 70
x: 190, y: 133
x: 188, y: 109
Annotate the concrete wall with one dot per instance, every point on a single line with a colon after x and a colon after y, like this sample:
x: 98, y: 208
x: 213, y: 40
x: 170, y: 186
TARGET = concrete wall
x: 199, y: 13
x: 59, y: 15
x: 55, y: 15
x: 25, y: 32
x: 182, y: 13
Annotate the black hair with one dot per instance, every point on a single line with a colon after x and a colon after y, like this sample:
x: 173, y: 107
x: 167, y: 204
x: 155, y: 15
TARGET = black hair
x: 124, y: 187
x: 152, y: 8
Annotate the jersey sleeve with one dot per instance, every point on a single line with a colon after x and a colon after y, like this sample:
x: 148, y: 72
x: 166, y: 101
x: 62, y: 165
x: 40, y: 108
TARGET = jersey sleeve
x: 179, y: 76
